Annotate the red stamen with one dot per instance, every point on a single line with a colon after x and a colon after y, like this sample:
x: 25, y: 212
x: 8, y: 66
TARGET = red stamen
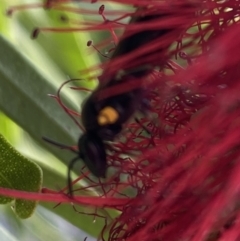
x: 181, y: 180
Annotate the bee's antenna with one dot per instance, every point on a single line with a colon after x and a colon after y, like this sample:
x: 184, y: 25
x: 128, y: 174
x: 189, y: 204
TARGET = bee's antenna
x: 69, y: 179
x: 70, y: 165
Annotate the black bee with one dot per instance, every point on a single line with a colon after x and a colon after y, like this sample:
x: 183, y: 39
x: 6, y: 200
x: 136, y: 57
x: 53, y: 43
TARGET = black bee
x: 103, y: 118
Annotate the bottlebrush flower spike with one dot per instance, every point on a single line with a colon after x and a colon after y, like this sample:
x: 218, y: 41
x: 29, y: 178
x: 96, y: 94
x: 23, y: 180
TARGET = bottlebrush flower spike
x: 181, y: 178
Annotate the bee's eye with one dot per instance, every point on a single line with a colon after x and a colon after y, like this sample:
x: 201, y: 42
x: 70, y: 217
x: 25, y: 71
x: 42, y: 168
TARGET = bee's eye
x: 108, y: 115
x: 92, y: 151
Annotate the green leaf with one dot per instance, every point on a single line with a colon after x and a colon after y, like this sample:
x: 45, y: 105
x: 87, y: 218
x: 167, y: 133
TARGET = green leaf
x: 76, y: 61
x: 55, y: 227
x: 68, y: 50
x: 24, y: 98
x: 29, y: 71
x: 17, y: 172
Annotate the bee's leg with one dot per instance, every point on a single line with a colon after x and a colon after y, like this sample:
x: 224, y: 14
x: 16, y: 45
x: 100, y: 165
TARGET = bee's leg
x: 140, y: 124
x: 147, y: 131
x: 62, y: 146
x: 145, y: 109
x: 145, y: 105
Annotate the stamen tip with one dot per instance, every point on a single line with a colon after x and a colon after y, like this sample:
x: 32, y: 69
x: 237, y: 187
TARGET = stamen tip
x: 35, y: 33
x: 64, y: 18
x: 89, y: 43
x: 9, y: 12
x: 101, y: 9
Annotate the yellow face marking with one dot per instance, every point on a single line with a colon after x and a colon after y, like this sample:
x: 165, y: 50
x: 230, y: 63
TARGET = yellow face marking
x: 107, y: 115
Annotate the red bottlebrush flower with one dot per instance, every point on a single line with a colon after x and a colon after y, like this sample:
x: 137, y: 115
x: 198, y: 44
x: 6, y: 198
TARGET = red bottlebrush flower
x: 178, y: 167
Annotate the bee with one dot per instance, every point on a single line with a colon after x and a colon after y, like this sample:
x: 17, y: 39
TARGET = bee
x: 104, y: 118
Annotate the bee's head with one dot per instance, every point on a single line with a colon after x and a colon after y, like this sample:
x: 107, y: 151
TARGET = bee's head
x: 92, y: 152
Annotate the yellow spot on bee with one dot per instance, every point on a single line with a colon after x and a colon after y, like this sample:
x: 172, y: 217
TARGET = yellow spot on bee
x: 107, y: 115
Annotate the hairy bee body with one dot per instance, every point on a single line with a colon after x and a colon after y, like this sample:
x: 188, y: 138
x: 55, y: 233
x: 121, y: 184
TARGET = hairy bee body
x: 103, y: 116
x: 103, y: 119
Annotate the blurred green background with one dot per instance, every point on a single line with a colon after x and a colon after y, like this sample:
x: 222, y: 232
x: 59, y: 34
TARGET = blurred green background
x: 29, y: 71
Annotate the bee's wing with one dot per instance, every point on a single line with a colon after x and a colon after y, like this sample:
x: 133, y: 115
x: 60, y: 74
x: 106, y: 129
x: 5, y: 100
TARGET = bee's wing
x: 130, y: 42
